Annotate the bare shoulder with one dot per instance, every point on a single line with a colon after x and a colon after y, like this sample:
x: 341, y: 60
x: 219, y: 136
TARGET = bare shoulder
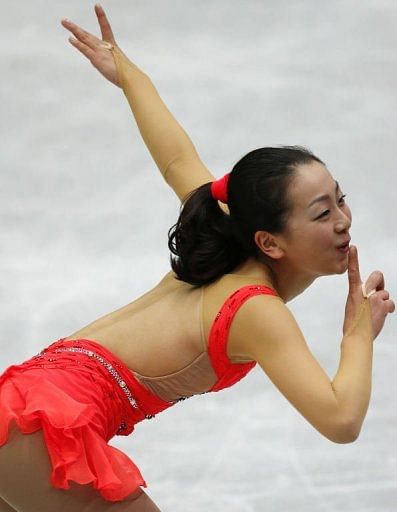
x: 168, y: 276
x: 170, y: 280
x: 261, y: 321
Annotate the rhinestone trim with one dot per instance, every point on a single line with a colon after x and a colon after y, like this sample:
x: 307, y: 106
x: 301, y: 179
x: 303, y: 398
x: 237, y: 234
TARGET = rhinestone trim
x: 109, y: 368
x: 115, y: 375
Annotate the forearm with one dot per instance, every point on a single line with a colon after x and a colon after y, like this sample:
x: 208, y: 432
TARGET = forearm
x: 165, y: 139
x: 352, y: 382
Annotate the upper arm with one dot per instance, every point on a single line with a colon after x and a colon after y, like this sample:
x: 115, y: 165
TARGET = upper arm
x: 186, y: 174
x: 269, y: 334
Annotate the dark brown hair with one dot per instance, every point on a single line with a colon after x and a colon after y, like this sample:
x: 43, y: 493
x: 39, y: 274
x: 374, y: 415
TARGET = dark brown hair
x: 207, y: 242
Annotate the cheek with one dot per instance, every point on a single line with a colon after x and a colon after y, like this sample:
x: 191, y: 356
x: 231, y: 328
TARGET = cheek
x: 323, y: 236
x: 309, y: 241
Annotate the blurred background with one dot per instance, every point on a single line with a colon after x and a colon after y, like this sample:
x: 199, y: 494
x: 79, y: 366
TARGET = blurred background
x: 85, y: 213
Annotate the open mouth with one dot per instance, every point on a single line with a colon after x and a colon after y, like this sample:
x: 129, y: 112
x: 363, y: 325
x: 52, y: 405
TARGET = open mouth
x: 344, y: 248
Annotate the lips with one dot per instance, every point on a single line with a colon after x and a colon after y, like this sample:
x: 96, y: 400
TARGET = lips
x: 344, y: 244
x: 344, y: 247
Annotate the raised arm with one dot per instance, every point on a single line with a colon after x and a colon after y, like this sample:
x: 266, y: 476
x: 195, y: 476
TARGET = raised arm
x: 168, y: 143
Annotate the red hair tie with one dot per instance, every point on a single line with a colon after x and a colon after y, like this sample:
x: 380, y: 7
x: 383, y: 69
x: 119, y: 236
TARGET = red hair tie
x: 219, y: 188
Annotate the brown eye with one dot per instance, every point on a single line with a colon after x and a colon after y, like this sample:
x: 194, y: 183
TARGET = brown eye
x: 326, y: 212
x: 323, y: 214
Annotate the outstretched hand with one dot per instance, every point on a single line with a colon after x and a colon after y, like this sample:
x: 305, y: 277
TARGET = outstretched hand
x: 90, y: 46
x: 380, y: 304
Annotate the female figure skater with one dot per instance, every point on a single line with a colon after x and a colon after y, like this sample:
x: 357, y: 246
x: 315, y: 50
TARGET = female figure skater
x: 243, y: 246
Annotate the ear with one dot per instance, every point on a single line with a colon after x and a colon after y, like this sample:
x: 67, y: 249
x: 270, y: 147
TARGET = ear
x: 268, y: 244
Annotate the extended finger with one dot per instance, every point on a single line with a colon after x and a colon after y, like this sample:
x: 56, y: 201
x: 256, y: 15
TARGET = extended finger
x: 106, y: 31
x: 353, y: 270
x: 82, y: 35
x: 83, y: 48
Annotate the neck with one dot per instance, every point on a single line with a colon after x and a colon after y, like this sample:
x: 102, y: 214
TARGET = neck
x: 287, y: 282
x: 290, y: 284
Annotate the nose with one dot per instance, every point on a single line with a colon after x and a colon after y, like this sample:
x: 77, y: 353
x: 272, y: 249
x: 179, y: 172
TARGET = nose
x: 343, y: 222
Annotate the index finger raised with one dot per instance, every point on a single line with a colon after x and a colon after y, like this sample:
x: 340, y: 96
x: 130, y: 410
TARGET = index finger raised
x: 353, y: 267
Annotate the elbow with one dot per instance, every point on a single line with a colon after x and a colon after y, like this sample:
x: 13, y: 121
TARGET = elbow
x: 347, y: 432
x: 345, y: 438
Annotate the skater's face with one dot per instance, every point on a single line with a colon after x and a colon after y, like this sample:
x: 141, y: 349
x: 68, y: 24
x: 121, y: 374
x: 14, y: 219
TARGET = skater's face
x: 318, y: 224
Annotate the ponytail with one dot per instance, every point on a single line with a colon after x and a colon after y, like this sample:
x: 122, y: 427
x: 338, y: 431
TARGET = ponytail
x: 202, y: 239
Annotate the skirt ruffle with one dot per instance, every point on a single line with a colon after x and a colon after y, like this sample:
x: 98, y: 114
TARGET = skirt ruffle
x: 76, y: 446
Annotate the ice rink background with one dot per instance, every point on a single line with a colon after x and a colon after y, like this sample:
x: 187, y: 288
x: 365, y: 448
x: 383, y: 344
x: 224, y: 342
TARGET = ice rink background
x: 85, y: 213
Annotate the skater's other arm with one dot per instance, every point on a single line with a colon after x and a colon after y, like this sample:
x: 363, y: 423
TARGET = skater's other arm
x: 166, y: 140
x: 270, y: 335
x: 266, y: 331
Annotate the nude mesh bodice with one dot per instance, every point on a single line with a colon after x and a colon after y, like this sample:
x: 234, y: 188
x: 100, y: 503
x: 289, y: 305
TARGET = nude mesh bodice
x: 212, y: 370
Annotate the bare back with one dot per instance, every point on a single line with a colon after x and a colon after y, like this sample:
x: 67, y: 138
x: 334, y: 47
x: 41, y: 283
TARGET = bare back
x: 165, y: 329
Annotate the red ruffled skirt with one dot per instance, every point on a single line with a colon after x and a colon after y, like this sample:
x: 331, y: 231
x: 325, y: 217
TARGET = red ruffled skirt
x: 81, y: 395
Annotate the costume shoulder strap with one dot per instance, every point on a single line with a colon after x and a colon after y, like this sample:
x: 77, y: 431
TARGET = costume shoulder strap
x: 217, y: 344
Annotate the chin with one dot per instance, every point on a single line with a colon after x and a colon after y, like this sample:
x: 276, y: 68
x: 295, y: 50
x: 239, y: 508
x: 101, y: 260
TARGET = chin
x: 343, y: 268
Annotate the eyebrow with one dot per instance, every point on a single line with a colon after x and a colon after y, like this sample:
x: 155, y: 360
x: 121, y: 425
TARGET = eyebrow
x: 324, y: 196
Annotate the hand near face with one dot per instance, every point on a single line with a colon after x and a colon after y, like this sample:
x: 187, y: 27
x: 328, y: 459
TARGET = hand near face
x: 380, y: 303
